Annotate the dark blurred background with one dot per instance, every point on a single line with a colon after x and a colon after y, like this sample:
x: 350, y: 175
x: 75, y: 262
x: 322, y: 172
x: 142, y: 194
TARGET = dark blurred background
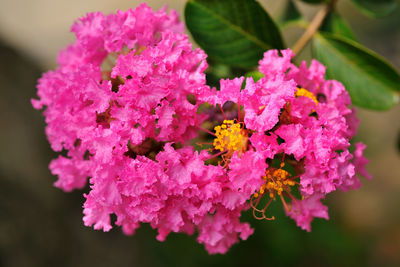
x: 42, y: 226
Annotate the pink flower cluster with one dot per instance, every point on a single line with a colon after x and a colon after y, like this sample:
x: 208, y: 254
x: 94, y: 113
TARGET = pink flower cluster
x: 122, y: 83
x: 292, y: 114
x: 124, y: 107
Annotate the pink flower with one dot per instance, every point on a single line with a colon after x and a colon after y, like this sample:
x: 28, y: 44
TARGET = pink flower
x: 304, y: 211
x: 123, y: 82
x: 220, y: 231
x: 360, y: 161
x: 292, y: 129
x: 120, y: 96
x: 120, y: 103
x: 124, y: 103
x: 175, y: 193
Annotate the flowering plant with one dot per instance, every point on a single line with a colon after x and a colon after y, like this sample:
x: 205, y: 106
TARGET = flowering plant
x: 132, y: 110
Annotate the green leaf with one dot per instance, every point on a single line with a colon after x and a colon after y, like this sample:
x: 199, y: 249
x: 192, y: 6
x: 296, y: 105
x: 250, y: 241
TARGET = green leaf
x: 215, y: 72
x: 289, y: 15
x: 334, y: 23
x: 255, y: 74
x: 315, y: 1
x: 376, y: 8
x: 371, y: 81
x: 233, y: 32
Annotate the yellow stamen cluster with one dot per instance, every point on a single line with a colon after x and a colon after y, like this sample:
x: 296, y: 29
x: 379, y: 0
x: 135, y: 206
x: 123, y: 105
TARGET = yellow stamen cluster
x: 275, y: 181
x: 306, y: 93
x: 230, y: 137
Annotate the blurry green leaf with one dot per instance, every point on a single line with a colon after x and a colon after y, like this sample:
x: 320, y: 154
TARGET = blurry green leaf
x: 233, y: 32
x: 334, y: 23
x: 315, y: 1
x: 289, y: 15
x: 215, y: 72
x: 220, y: 70
x: 376, y: 8
x: 255, y: 74
x: 370, y: 80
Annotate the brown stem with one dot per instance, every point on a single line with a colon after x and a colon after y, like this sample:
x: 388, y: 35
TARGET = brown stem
x: 313, y: 27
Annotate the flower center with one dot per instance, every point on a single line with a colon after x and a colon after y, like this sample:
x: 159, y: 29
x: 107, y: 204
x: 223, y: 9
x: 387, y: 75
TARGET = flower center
x: 306, y: 93
x: 276, y: 182
x: 230, y: 136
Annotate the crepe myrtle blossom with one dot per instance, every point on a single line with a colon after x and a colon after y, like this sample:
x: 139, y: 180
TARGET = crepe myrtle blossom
x: 288, y: 141
x: 123, y: 109
x: 123, y: 82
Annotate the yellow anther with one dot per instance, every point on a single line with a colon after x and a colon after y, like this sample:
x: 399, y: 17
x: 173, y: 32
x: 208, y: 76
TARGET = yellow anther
x: 230, y: 137
x: 275, y: 181
x: 306, y: 93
